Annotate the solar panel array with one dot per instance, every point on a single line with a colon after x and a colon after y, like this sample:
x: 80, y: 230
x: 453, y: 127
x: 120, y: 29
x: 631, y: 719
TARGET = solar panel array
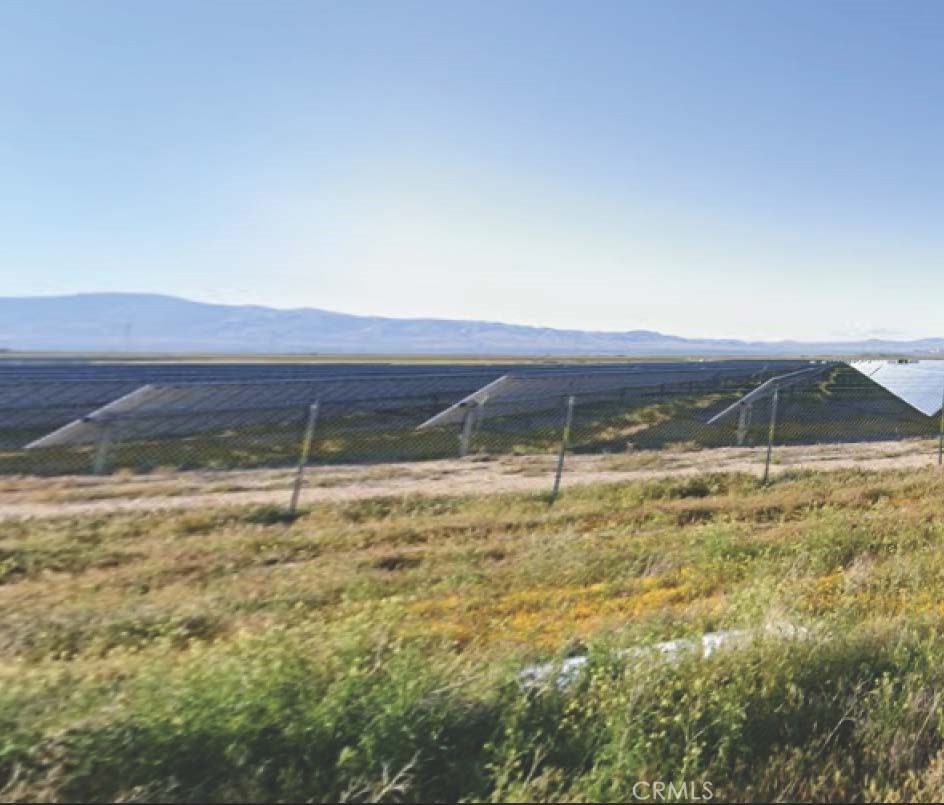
x: 38, y: 398
x: 43, y: 397
x: 522, y: 392
x: 49, y: 395
x: 920, y: 384
x: 142, y: 373
x: 49, y: 403
x: 774, y: 384
x: 234, y: 414
x: 162, y: 409
x: 57, y: 404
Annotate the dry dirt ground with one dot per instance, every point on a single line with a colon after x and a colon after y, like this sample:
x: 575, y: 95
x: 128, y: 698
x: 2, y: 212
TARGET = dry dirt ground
x: 23, y: 497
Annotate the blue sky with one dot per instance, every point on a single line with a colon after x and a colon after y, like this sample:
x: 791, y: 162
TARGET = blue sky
x: 750, y: 169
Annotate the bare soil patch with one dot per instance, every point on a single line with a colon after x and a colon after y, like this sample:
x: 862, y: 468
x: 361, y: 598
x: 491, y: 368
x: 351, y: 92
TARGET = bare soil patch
x: 23, y: 497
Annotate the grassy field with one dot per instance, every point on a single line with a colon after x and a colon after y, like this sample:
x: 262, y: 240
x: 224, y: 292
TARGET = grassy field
x: 373, y: 649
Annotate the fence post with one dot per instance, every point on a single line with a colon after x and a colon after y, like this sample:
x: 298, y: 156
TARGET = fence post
x: 105, y: 436
x: 468, y: 423
x: 744, y: 422
x: 303, y: 457
x: 770, y: 433
x: 565, y: 441
x: 940, y: 438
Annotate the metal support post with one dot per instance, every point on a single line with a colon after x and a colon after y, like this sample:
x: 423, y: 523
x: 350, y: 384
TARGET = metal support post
x: 744, y: 422
x: 303, y: 457
x: 105, y: 436
x: 565, y: 441
x: 468, y: 425
x: 770, y: 433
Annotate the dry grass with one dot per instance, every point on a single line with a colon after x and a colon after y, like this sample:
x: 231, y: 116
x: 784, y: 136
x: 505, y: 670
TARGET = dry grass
x: 133, y: 634
x: 478, y: 474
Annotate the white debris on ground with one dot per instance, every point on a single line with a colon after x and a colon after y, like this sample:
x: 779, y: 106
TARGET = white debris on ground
x: 568, y: 671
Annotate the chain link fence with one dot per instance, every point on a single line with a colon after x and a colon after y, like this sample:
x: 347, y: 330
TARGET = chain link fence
x: 838, y: 414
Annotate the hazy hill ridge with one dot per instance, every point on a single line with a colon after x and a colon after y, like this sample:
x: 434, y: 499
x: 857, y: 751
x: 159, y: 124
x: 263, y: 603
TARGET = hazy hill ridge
x: 155, y: 323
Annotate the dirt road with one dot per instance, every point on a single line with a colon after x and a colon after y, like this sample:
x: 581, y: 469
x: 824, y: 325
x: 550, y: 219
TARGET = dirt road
x: 26, y: 497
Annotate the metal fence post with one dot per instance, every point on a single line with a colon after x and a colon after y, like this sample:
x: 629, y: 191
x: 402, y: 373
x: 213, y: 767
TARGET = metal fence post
x: 565, y: 441
x: 105, y: 436
x: 770, y: 433
x: 303, y: 457
x: 744, y: 422
x: 468, y: 424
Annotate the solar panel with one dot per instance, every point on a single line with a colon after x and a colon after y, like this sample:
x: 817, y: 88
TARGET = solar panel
x: 920, y: 384
x: 74, y: 409
x: 30, y: 406
x: 768, y: 387
x: 516, y: 393
x: 166, y: 409
x: 44, y: 403
x: 48, y: 395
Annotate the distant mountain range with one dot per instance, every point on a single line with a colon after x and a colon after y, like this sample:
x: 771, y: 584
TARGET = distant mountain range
x: 165, y: 324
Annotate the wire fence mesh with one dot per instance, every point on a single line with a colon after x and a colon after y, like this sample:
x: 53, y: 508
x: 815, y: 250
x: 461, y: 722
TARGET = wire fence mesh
x: 638, y: 425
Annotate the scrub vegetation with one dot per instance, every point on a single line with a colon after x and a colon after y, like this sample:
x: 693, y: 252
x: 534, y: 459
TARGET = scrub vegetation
x: 372, y: 649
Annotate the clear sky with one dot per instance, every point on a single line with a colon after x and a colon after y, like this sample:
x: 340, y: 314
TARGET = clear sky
x: 750, y: 169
